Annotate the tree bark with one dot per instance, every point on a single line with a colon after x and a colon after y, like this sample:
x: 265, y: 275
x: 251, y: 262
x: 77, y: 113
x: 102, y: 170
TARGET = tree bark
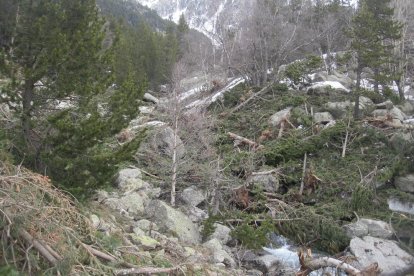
x: 357, y: 91
x: 28, y: 98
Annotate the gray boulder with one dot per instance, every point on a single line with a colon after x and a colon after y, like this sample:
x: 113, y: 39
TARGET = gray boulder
x: 146, y: 225
x: 129, y: 179
x: 163, y: 140
x: 323, y: 118
x: 267, y: 182
x: 132, y: 204
x: 326, y: 88
x: 95, y: 221
x: 364, y: 103
x: 400, y: 140
x: 146, y: 110
x: 369, y: 227
x: 342, y: 106
x: 218, y: 254
x: 270, y: 265
x: 342, y: 78
x: 279, y: 116
x: 392, y: 260
x: 340, y: 109
x: 221, y: 233
x: 320, y: 76
x: 173, y: 222
x: 145, y: 242
x: 194, y: 214
x: 385, y: 105
x: 400, y: 205
x: 405, y: 183
x: 407, y: 107
x: 193, y: 196
x: 394, y: 113
x: 334, y: 77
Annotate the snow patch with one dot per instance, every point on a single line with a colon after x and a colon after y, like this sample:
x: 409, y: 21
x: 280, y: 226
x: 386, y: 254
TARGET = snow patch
x: 219, y: 94
x: 333, y: 84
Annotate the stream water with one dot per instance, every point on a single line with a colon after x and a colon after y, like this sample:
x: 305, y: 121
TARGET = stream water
x: 286, y: 252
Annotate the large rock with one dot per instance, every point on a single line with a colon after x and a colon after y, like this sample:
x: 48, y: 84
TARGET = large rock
x: 400, y: 205
x: 193, y: 196
x: 405, y: 183
x: 342, y: 78
x: 322, y: 118
x: 278, y: 117
x: 218, y: 254
x: 326, y: 88
x: 334, y: 77
x: 129, y: 179
x: 270, y: 265
x: 395, y: 113
x: 340, y: 109
x: 173, y: 222
x: 407, y: 107
x: 369, y: 227
x: 221, y: 233
x: 392, y: 260
x: 147, y: 243
x: 267, y: 182
x: 364, y: 103
x: 163, y: 140
x: 194, y: 214
x: 132, y: 204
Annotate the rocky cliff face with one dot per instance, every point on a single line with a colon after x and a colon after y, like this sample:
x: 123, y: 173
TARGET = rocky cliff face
x: 207, y: 17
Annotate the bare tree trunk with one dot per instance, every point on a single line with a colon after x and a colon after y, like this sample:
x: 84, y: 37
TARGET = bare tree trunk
x: 357, y: 91
x: 302, y: 183
x: 376, y: 81
x: 174, y: 163
x: 17, y: 20
x: 344, y: 146
x: 28, y: 98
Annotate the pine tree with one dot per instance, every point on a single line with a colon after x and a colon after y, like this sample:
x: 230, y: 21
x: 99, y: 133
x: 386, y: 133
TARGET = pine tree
x: 373, y: 31
x: 182, y: 31
x: 58, y: 57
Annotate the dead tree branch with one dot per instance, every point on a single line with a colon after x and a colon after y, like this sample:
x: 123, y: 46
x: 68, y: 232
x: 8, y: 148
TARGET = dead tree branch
x: 241, y: 140
x: 145, y: 271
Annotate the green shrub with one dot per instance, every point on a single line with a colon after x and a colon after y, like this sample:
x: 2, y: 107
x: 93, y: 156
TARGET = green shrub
x: 254, y: 236
x: 362, y: 198
x: 295, y: 146
x: 232, y: 98
x: 389, y: 94
x: 281, y: 87
x: 297, y: 70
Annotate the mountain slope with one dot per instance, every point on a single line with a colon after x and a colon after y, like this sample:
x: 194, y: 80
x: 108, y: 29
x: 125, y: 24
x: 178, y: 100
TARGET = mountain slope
x: 205, y: 16
x: 132, y: 13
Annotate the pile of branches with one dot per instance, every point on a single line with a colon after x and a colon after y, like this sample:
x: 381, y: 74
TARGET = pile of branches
x: 42, y: 231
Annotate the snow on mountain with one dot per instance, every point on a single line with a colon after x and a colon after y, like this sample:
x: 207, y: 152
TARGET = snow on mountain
x: 206, y: 16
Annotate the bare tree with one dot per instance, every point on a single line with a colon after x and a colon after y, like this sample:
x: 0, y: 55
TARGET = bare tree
x: 404, y: 48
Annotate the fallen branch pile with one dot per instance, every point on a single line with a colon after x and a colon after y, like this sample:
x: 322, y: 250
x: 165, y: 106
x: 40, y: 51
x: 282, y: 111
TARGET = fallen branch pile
x: 308, y: 264
x: 41, y: 229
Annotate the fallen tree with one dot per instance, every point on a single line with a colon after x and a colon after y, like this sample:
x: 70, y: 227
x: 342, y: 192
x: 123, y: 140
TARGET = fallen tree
x: 308, y: 264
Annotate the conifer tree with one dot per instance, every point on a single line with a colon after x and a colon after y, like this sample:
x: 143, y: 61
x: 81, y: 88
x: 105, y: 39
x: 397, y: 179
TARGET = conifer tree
x: 60, y: 74
x: 372, y: 33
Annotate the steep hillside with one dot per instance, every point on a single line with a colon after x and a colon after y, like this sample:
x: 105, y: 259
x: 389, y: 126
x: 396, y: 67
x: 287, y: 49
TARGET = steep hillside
x: 207, y: 17
x: 132, y: 13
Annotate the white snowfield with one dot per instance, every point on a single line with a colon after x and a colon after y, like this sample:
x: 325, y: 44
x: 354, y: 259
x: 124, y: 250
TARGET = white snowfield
x: 333, y: 84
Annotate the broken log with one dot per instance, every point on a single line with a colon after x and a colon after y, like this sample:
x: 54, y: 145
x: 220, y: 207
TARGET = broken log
x: 241, y: 140
x: 261, y: 92
x: 146, y: 271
